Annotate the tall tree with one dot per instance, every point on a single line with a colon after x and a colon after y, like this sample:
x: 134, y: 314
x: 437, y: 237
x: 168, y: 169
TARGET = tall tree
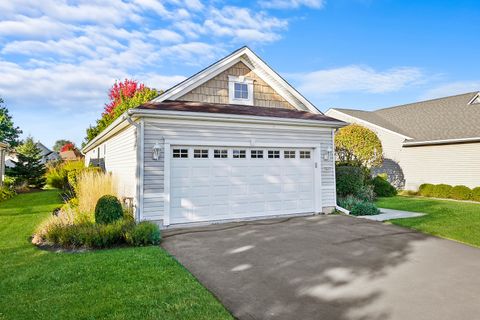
x: 123, y: 95
x: 28, y: 167
x: 59, y: 144
x: 8, y: 131
x: 357, y: 145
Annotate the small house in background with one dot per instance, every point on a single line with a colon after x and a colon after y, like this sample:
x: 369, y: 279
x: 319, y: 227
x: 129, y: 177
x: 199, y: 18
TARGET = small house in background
x: 47, y: 154
x: 70, y: 155
x: 3, y: 151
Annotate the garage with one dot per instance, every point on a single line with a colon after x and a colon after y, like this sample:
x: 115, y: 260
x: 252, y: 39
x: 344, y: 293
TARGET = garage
x: 218, y: 183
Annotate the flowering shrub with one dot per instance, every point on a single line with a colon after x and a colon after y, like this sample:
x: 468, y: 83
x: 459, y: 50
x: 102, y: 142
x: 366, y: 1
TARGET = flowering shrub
x: 120, y: 91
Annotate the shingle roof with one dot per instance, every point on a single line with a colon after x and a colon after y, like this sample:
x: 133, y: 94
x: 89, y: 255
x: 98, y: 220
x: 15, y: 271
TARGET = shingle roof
x: 189, y: 106
x: 439, y: 119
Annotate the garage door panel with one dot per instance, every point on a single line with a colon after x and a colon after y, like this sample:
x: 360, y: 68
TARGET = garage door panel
x: 204, y: 189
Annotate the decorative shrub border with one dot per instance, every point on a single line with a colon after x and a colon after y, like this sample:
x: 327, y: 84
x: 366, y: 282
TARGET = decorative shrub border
x: 446, y: 191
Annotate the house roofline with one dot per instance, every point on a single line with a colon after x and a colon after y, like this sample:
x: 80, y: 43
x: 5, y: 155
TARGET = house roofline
x: 370, y: 123
x: 219, y: 66
x: 440, y: 142
x: 232, y: 118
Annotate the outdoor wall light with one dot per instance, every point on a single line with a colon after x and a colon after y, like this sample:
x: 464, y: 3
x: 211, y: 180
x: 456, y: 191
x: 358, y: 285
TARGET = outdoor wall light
x: 156, y: 151
x: 327, y: 155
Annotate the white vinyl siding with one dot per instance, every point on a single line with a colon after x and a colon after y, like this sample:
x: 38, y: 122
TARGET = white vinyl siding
x: 120, y: 157
x: 248, y: 135
x: 454, y: 164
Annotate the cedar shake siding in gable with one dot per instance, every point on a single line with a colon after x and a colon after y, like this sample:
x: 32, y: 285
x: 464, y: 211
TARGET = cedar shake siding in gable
x: 216, y: 89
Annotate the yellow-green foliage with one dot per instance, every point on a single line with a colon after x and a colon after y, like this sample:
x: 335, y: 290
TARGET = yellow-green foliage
x: 60, y: 174
x: 91, y: 185
x: 357, y: 145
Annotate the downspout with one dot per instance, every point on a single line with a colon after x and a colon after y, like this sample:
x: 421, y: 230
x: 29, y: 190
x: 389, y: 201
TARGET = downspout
x: 139, y: 173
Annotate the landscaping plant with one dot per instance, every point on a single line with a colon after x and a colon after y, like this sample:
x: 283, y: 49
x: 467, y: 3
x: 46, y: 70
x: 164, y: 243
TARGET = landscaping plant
x: 476, y: 194
x: 383, y: 188
x: 28, y: 169
x: 91, y: 185
x: 461, y: 193
x: 108, y: 210
x: 144, y: 234
x: 358, y: 146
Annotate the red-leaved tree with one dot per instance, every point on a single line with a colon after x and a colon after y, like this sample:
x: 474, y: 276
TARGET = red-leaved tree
x: 120, y: 91
x: 67, y: 147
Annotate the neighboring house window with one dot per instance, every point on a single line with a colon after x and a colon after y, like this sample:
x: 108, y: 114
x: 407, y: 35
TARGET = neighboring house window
x: 275, y: 154
x: 256, y: 154
x: 200, y: 153
x: 289, y: 154
x: 240, y: 90
x: 180, y: 153
x: 304, y: 154
x: 223, y: 153
x: 239, y: 154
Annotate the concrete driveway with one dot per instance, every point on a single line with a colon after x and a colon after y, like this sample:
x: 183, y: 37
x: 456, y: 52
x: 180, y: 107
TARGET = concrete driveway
x: 331, y: 267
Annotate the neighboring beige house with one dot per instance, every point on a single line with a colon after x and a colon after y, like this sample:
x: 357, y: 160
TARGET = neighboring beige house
x: 234, y: 141
x: 3, y: 151
x: 434, y: 141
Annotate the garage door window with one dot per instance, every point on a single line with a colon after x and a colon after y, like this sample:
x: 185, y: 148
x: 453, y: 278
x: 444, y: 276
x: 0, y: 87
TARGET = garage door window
x: 273, y: 154
x: 289, y: 154
x: 304, y: 154
x: 180, y: 153
x: 200, y: 153
x: 239, y: 154
x: 220, y: 153
x: 256, y: 154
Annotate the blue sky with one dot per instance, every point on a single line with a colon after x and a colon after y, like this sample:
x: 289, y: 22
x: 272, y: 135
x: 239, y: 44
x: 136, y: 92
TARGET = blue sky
x: 58, y: 58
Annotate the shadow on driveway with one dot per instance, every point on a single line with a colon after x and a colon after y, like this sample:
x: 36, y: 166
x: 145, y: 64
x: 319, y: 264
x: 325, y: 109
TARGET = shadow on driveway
x: 330, y: 267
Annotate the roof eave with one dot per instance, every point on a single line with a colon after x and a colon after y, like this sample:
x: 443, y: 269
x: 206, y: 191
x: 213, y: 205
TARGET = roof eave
x: 232, y: 118
x: 441, y: 142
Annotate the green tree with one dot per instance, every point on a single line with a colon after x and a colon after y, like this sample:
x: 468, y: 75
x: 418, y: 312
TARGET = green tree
x: 358, y: 146
x: 8, y: 131
x: 28, y: 167
x: 59, y: 144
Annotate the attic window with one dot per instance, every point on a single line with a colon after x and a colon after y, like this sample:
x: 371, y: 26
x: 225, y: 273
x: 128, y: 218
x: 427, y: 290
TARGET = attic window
x: 240, y: 90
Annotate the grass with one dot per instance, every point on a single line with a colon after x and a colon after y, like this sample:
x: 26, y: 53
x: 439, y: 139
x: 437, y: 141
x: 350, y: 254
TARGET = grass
x: 124, y: 283
x: 448, y: 219
x: 91, y: 186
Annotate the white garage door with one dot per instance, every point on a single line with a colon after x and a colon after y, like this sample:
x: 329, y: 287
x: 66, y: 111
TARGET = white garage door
x: 215, y: 183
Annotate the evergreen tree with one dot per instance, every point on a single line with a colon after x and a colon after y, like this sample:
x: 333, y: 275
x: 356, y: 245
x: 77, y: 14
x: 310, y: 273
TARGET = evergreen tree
x: 8, y: 131
x: 28, y: 167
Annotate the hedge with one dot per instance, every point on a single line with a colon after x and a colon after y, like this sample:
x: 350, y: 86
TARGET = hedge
x: 447, y: 191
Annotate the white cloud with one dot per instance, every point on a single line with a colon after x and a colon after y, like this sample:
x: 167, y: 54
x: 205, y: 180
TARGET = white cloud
x: 38, y: 28
x: 450, y: 89
x: 357, y: 79
x: 165, y: 35
x: 291, y: 4
x: 187, y: 52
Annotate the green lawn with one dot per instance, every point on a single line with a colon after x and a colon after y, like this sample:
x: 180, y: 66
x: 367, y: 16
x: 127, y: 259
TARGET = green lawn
x: 448, y: 219
x: 126, y: 283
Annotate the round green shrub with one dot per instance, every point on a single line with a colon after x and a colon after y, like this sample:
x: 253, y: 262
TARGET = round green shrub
x: 108, y: 209
x: 383, y: 188
x: 461, y: 193
x: 349, y: 180
x: 476, y: 194
x: 364, y: 209
x: 366, y: 193
x: 426, y: 190
x: 144, y: 234
x: 442, y: 191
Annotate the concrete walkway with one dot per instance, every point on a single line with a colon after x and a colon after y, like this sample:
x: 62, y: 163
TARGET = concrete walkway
x: 389, y: 214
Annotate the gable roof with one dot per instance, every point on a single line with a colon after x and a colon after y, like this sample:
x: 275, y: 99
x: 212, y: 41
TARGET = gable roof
x: 241, y: 110
x: 252, y: 61
x: 453, y: 118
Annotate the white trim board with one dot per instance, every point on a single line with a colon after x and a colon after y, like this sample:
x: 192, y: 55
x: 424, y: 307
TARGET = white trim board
x: 365, y: 121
